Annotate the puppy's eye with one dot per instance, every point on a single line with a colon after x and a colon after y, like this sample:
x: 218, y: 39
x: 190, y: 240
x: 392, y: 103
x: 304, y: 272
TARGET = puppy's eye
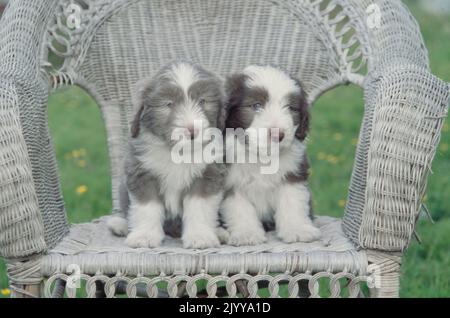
x: 293, y: 109
x: 169, y: 104
x: 202, y: 102
x: 257, y: 107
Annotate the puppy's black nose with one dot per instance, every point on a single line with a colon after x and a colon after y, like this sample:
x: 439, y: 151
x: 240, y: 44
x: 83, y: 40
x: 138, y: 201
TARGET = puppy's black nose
x: 193, y: 132
x: 276, y: 135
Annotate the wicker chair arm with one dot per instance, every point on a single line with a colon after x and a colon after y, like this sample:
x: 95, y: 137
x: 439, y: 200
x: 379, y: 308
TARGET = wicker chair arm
x: 25, y: 229
x: 409, y: 107
x: 21, y: 227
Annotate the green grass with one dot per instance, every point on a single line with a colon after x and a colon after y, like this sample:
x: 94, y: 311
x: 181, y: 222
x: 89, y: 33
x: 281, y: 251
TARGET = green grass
x: 80, y: 143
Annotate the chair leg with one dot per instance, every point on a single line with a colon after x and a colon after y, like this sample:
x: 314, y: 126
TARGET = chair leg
x: 386, y: 274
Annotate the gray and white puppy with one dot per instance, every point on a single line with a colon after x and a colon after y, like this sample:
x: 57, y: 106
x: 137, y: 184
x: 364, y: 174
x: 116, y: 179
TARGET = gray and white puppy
x: 265, y: 97
x: 155, y: 188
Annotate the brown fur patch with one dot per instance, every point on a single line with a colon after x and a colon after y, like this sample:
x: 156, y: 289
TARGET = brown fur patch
x: 300, y: 107
x: 241, y: 99
x: 301, y: 174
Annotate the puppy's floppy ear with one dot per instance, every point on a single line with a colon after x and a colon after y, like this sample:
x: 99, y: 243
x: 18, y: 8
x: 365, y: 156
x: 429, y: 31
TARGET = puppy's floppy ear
x: 304, y: 116
x: 235, y: 89
x: 141, y: 90
x: 222, y: 115
x: 234, y: 93
x: 136, y: 124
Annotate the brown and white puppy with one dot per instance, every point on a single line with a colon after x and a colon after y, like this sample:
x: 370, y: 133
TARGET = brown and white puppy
x: 155, y: 188
x: 266, y: 97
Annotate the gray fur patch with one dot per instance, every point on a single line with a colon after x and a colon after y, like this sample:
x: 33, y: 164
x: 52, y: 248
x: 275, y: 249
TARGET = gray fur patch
x: 211, y: 183
x: 209, y: 94
x: 139, y: 182
x: 301, y: 176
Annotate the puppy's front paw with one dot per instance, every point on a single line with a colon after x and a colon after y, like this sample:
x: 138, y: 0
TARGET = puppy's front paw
x: 144, y: 239
x: 303, y: 233
x: 118, y: 225
x: 200, y: 239
x: 223, y: 235
x: 249, y: 237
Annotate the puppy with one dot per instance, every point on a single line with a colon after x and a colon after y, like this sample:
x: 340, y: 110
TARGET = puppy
x: 265, y: 97
x: 155, y: 188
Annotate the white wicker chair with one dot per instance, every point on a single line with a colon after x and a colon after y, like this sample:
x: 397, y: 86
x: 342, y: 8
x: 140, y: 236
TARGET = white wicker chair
x: 326, y: 43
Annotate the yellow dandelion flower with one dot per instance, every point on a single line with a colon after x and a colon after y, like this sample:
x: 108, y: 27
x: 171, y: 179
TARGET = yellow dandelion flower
x: 75, y: 153
x: 354, y: 141
x: 443, y: 147
x: 82, y: 189
x: 341, y: 203
x: 337, y: 136
x: 5, y: 292
x: 81, y: 163
x: 321, y: 156
x: 332, y: 159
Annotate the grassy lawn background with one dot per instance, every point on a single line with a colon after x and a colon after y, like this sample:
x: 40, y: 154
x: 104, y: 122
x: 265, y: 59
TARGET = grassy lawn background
x: 80, y: 143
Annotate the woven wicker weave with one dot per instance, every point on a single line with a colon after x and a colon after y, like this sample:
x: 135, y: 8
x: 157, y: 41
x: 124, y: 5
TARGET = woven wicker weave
x: 117, y: 42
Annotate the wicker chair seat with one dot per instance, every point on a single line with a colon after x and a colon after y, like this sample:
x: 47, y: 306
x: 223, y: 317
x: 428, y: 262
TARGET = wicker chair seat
x: 94, y: 248
x: 104, y: 257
